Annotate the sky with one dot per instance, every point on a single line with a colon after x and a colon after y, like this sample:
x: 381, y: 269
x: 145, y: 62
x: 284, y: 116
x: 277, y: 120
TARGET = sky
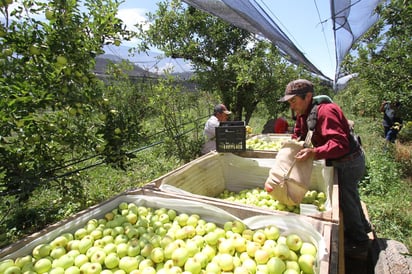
x: 306, y: 22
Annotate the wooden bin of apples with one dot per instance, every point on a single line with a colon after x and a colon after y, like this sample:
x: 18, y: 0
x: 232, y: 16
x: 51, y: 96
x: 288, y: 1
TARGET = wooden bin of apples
x: 234, y: 179
x: 148, y: 231
x: 263, y: 145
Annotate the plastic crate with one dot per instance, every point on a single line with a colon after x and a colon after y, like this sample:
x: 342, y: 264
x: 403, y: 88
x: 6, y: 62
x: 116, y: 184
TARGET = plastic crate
x: 231, y: 136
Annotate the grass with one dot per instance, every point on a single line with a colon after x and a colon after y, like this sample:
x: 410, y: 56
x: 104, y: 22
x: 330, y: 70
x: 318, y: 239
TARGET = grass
x: 385, y: 189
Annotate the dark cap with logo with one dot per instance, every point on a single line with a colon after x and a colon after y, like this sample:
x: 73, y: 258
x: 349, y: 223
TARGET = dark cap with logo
x: 297, y: 87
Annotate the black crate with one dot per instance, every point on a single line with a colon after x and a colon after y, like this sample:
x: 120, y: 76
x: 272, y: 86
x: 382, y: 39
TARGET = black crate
x: 231, y: 136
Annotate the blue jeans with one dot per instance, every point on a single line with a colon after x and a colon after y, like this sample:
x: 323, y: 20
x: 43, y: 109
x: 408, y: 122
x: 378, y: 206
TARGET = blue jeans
x: 349, y: 175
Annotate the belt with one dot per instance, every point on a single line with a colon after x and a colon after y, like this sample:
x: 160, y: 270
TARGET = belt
x: 349, y: 157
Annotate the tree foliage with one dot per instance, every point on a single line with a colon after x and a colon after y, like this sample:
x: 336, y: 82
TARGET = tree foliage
x: 232, y: 62
x: 383, y: 59
x: 48, y: 92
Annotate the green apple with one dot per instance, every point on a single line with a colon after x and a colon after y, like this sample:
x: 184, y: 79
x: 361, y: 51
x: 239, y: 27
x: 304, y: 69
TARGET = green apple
x: 210, y: 227
x: 241, y: 270
x: 227, y: 246
x: 42, y: 265
x: 157, y: 255
x: 56, y: 270
x: 192, y: 247
x: 213, y: 267
x: 49, y: 14
x: 292, y: 265
x: 22, y: 261
x: 57, y: 252
x: 193, y: 220
x: 146, y: 250
x: 131, y: 218
x: 108, y: 238
x: 209, y: 251
x: 64, y: 261
x: 239, y: 243
x: 262, y: 268
x: 122, y: 249
x: 128, y: 263
x: 92, y: 250
x: 80, y: 233
x: 6, y: 264
x: 294, y: 242
x: 247, y: 234
x: 80, y: 260
x: 73, y: 244
x: 179, y: 256
x: 112, y: 260
x: 121, y: 238
x: 276, y: 265
x: 259, y: 237
x: 14, y: 269
x: 261, y: 256
x: 211, y: 238
x: 282, y: 251
x: 41, y: 251
x: 182, y: 219
x: 202, y: 259
x: 281, y: 239
x: 145, y: 263
x: 238, y: 226
x: 93, y: 268
x: 225, y: 262
x: 61, y: 60
x: 72, y: 270
x: 251, y: 248
x: 98, y: 256
x: 307, y: 263
x: 250, y: 265
x: 96, y: 234
x: 59, y: 241
x: 272, y: 232
x: 308, y: 248
x: 291, y: 271
x: 192, y: 266
x: 172, y: 214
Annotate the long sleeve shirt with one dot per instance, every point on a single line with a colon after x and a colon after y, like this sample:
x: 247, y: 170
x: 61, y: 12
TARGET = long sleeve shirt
x: 331, y: 135
x: 210, y: 135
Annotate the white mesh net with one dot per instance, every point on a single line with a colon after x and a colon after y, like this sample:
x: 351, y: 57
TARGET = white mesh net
x: 351, y: 19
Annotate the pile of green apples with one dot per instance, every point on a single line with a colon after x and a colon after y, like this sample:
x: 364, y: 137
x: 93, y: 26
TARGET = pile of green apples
x: 137, y: 239
x: 261, y: 198
x: 264, y: 144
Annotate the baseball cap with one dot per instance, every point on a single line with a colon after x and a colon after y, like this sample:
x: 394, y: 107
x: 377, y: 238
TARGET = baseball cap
x: 297, y: 87
x: 221, y: 108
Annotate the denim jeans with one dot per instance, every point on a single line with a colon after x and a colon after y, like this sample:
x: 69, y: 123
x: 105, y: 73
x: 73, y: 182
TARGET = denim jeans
x: 349, y: 175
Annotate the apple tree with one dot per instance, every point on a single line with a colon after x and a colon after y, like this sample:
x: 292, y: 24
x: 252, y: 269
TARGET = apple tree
x: 382, y: 59
x: 50, y: 99
x: 228, y: 61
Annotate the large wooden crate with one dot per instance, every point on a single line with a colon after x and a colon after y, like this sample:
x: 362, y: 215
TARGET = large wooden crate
x: 211, y: 174
x: 321, y: 233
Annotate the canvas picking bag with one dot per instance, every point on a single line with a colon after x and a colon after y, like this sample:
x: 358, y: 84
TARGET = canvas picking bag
x: 288, y: 179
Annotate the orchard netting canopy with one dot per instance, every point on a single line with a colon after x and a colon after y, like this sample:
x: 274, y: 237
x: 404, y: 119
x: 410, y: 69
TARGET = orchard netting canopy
x: 351, y: 19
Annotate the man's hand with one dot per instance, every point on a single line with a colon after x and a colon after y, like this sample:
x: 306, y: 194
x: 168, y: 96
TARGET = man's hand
x: 305, y: 154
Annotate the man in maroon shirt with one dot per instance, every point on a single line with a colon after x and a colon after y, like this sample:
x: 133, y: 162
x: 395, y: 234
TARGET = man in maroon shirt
x: 331, y: 141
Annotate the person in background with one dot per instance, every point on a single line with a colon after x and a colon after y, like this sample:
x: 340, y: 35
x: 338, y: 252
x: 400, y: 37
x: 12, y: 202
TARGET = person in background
x: 279, y: 125
x: 331, y: 141
x: 220, y: 114
x: 391, y: 122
